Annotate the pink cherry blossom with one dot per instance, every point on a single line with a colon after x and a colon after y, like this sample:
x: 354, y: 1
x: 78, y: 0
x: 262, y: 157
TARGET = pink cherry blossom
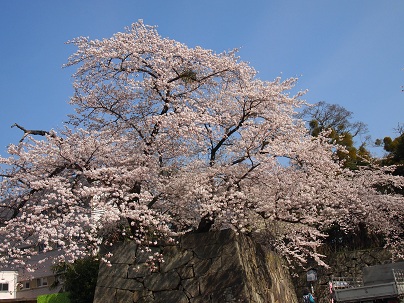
x: 167, y: 137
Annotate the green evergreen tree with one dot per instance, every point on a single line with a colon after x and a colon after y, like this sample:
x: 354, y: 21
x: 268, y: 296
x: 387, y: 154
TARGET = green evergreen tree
x: 337, y: 120
x: 395, y: 150
x: 79, y: 279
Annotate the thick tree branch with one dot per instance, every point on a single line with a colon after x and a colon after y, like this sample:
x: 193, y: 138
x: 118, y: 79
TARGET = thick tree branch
x: 32, y: 132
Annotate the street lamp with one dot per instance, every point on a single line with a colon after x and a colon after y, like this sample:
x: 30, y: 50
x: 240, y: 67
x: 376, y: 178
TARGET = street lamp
x: 311, y: 277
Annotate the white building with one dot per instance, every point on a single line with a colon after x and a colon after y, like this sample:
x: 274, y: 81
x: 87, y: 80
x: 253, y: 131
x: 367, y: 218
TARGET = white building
x: 34, y: 284
x: 29, y: 285
x: 8, y: 284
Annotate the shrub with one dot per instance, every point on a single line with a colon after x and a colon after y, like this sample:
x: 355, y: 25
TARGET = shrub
x: 54, y: 298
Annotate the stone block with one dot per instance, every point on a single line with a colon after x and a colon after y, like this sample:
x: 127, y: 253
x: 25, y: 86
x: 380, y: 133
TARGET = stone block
x: 231, y: 294
x: 139, y: 295
x: 119, y: 270
x: 127, y: 284
x: 104, y: 295
x: 138, y: 271
x: 256, y: 297
x: 162, y: 281
x: 191, y: 287
x: 227, y: 262
x: 217, y: 265
x: 201, y: 267
x: 208, y: 251
x: 172, y: 296
x: 175, y: 258
x: 215, y: 281
x: 119, y: 283
x: 123, y: 296
x: 124, y: 252
x: 147, y: 299
x: 231, y: 249
x: 186, y: 272
x: 201, y: 299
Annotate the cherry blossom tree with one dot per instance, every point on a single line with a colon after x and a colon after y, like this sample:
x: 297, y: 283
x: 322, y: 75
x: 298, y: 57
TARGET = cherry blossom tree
x: 169, y: 139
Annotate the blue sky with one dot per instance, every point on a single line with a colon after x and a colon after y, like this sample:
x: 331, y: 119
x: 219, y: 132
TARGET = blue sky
x: 349, y: 52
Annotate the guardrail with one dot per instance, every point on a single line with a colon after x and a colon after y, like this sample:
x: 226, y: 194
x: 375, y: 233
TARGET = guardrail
x: 399, y: 279
x: 349, y: 289
x: 346, y: 282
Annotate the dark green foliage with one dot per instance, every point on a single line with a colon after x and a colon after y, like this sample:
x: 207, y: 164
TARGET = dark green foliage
x: 54, y: 298
x: 395, y: 149
x: 359, y: 238
x: 79, y: 279
x: 323, y: 116
x: 337, y: 120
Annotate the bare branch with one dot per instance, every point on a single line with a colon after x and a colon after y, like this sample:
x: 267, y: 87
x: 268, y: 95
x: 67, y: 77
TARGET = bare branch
x: 32, y: 132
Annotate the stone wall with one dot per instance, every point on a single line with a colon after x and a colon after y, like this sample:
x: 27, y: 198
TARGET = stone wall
x: 209, y: 267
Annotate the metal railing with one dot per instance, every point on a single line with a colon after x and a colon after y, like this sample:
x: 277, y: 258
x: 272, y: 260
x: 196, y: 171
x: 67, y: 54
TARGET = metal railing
x: 399, y: 279
x: 346, y: 282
